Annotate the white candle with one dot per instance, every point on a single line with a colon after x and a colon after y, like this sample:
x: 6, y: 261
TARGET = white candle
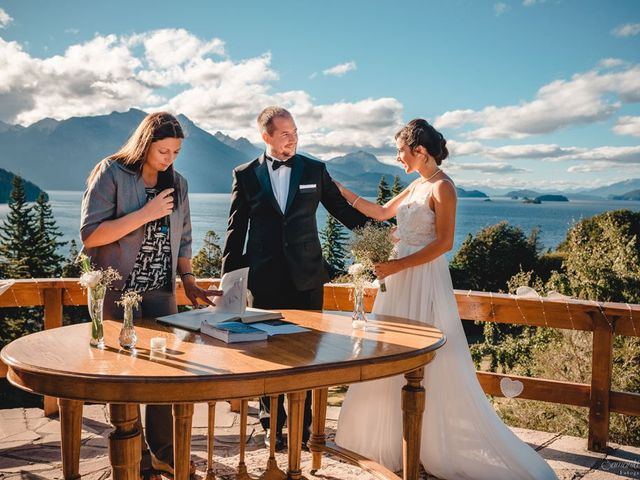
x: 158, y: 344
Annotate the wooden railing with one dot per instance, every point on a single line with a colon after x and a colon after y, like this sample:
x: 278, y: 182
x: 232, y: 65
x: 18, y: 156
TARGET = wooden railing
x: 603, y: 319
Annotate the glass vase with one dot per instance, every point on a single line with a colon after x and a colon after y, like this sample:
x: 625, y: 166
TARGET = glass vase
x: 95, y: 302
x: 128, y: 337
x: 358, y: 318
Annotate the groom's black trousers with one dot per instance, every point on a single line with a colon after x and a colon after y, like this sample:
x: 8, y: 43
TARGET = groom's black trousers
x: 282, y: 294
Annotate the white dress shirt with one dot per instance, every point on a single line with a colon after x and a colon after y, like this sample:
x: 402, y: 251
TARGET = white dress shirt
x: 280, y: 179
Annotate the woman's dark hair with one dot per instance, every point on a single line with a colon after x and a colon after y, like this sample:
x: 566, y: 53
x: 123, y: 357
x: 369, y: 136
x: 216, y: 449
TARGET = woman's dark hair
x: 418, y: 132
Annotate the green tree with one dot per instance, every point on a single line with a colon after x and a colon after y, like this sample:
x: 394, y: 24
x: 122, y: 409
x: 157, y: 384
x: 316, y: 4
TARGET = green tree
x: 208, y: 262
x: 599, y: 260
x: 487, y: 261
x: 384, y: 192
x: 397, y: 186
x: 18, y: 236
x: 602, y: 258
x: 70, y: 268
x: 47, y: 262
x: 334, y: 239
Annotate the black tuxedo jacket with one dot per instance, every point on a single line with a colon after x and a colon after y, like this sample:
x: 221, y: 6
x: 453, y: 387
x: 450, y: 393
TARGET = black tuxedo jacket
x: 279, y: 242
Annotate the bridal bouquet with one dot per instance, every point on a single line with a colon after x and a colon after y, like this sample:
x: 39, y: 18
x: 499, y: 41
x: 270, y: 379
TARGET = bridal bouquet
x: 370, y: 245
x: 96, y: 282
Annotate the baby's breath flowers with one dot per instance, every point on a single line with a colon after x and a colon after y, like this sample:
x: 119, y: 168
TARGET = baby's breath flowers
x: 130, y: 299
x: 370, y: 245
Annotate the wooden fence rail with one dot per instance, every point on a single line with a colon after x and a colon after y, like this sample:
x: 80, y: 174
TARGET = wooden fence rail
x: 603, y: 319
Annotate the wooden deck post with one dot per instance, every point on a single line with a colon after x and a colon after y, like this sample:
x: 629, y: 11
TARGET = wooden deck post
x: 52, y: 319
x: 602, y: 364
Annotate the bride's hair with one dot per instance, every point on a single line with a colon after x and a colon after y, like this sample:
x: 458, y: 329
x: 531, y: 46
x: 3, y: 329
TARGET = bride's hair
x: 418, y: 132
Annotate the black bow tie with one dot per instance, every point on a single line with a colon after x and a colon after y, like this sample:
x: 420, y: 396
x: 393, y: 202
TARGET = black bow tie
x: 276, y: 164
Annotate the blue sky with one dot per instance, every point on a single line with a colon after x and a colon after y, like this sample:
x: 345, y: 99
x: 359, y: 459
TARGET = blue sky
x: 529, y: 92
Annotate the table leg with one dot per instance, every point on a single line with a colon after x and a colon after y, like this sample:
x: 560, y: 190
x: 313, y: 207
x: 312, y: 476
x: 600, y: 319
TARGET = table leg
x: 413, y: 399
x: 273, y: 472
x: 70, y: 432
x: 211, y: 427
x: 124, y: 442
x: 182, y: 418
x: 295, y: 420
x: 317, y: 440
x: 242, y: 473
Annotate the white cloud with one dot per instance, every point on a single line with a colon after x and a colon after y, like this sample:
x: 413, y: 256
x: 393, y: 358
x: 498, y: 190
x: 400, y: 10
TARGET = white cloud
x: 171, y: 47
x: 548, y: 152
x: 500, y: 8
x: 611, y: 63
x: 529, y: 3
x: 72, y: 31
x: 618, y: 155
x: 217, y: 92
x: 5, y: 18
x: 626, y: 30
x: 628, y: 125
x: 89, y: 78
x: 631, y: 169
x: 585, y: 98
x: 340, y: 70
x: 489, y: 167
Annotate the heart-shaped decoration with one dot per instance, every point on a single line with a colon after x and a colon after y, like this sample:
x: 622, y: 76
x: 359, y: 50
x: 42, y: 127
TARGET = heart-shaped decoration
x: 511, y: 388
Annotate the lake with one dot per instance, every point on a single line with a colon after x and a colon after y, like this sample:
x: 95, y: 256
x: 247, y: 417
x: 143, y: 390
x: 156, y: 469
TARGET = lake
x: 209, y: 212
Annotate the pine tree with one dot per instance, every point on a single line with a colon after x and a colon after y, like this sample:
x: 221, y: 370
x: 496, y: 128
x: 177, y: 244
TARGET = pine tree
x: 47, y: 262
x: 384, y: 193
x: 18, y: 235
x: 70, y: 268
x: 397, y: 186
x: 208, y: 262
x: 334, y: 239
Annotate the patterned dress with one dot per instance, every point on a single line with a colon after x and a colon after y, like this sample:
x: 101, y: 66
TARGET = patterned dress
x: 152, y: 269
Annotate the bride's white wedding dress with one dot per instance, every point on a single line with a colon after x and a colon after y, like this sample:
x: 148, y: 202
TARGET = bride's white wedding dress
x: 462, y: 436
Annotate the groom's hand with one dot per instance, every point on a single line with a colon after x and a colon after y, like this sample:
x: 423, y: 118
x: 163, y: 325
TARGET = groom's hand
x: 195, y: 293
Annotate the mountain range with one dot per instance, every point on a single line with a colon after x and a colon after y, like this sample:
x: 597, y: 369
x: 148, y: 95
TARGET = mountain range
x: 59, y: 155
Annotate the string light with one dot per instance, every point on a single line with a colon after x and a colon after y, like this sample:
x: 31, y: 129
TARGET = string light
x: 573, y: 327
x: 633, y: 325
x: 524, y: 318
x: 604, y: 314
x: 544, y: 313
x: 493, y: 312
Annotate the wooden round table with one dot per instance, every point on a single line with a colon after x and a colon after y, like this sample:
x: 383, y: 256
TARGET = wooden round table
x: 198, y: 368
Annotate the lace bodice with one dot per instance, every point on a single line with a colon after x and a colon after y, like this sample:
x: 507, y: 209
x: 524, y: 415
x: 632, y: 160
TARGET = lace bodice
x: 416, y: 220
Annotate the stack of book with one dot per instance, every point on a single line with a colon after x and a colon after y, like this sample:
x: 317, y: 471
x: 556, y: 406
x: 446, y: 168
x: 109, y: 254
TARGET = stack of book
x: 232, y: 332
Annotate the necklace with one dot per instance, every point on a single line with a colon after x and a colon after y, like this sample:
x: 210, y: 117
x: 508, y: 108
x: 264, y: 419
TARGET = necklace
x: 434, y: 174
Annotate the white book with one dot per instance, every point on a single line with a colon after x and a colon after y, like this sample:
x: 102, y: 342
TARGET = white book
x: 231, y: 306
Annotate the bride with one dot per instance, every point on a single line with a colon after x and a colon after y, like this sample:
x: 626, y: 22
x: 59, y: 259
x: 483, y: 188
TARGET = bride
x: 462, y: 437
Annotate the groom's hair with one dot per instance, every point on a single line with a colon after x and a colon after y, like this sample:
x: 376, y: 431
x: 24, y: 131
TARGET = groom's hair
x: 265, y: 119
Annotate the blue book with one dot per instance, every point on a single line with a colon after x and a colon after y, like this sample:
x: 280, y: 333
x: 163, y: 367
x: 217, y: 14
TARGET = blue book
x: 232, y: 332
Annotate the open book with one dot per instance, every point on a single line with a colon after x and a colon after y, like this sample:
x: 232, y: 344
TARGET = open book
x: 231, y: 306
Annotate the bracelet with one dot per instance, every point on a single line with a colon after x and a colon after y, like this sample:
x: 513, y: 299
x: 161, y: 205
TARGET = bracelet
x: 182, y: 275
x: 355, y: 201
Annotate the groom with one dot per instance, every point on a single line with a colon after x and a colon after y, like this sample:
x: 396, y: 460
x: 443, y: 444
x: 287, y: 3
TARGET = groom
x: 276, y: 197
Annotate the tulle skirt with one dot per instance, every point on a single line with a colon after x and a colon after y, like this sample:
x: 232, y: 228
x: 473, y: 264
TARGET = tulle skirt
x: 462, y: 436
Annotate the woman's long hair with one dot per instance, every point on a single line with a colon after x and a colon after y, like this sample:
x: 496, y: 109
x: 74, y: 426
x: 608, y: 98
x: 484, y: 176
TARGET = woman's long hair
x: 154, y: 127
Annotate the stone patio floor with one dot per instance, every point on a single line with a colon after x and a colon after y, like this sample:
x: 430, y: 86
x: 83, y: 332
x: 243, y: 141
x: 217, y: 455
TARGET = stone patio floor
x: 30, y: 448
